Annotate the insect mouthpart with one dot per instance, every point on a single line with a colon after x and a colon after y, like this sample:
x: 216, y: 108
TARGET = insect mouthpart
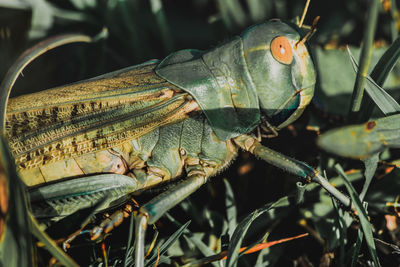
x: 292, y: 110
x: 284, y: 113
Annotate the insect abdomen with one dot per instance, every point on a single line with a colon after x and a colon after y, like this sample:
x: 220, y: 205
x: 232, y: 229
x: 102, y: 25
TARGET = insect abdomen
x: 51, y: 141
x: 176, y: 148
x: 159, y: 156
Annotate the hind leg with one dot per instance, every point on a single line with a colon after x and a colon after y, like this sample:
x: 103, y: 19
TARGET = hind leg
x: 155, y: 208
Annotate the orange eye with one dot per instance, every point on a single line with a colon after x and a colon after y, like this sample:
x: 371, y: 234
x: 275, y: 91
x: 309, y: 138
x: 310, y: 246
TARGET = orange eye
x: 281, y: 50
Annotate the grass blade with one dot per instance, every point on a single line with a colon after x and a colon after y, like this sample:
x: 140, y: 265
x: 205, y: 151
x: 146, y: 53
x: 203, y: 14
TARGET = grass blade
x: 157, y: 9
x: 15, y: 237
x: 50, y: 245
x: 379, y: 75
x: 232, y: 13
x: 259, y: 9
x: 258, y: 246
x: 362, y: 214
x: 382, y: 99
x: 241, y: 229
x: 365, y: 58
x: 195, y: 240
x: 370, y: 163
x: 357, y: 247
x: 164, y: 247
x: 129, y: 244
x: 237, y: 238
x: 342, y: 226
x: 231, y: 212
x: 386, y: 63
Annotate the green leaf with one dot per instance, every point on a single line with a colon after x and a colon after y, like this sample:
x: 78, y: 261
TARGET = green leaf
x: 363, y: 140
x: 379, y: 74
x: 382, y: 99
x: 383, y: 192
x: 386, y: 63
x: 335, y: 90
x: 15, y: 237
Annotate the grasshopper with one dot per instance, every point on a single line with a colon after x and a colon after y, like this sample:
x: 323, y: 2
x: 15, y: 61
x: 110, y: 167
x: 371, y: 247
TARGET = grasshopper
x: 185, y: 116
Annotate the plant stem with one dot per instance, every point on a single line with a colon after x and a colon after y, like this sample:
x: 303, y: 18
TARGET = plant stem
x: 365, y: 60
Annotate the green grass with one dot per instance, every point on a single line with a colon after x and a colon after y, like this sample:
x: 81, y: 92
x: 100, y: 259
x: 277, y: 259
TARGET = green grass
x: 255, y: 201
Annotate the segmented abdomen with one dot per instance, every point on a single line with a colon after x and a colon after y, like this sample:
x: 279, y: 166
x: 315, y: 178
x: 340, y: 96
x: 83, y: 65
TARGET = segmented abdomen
x: 55, y: 133
x: 129, y: 122
x: 156, y: 157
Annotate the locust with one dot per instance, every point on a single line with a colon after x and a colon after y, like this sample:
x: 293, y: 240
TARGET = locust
x: 184, y: 117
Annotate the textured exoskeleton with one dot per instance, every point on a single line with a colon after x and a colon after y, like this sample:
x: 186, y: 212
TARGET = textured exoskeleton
x: 185, y: 116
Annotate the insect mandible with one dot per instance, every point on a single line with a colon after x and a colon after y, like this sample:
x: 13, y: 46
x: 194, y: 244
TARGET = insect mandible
x: 185, y: 116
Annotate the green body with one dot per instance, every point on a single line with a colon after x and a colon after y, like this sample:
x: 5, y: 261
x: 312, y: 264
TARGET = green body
x: 239, y: 81
x: 155, y: 122
x: 155, y: 158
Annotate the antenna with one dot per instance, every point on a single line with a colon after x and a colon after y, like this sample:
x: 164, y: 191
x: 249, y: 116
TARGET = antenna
x: 304, y: 14
x: 308, y: 35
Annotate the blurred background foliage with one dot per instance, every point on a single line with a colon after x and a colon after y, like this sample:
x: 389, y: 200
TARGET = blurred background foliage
x: 139, y: 30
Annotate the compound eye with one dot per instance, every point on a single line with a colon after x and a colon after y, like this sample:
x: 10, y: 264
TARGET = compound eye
x: 281, y: 50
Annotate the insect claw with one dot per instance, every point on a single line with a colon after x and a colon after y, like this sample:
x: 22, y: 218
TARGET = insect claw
x: 112, y: 221
x: 269, y: 131
x: 96, y: 232
x: 259, y: 134
x: 66, y: 244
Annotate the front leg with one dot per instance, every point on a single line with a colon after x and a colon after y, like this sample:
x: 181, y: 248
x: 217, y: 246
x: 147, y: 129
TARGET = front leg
x: 155, y: 208
x: 291, y: 165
